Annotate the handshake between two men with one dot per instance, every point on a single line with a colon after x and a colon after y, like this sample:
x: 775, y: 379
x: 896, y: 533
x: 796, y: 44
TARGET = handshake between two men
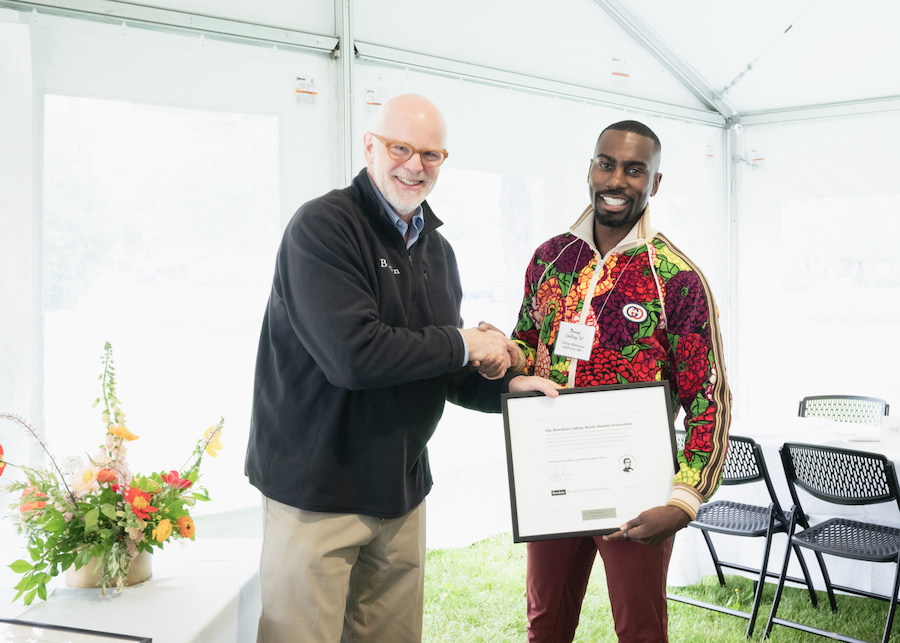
x: 493, y: 353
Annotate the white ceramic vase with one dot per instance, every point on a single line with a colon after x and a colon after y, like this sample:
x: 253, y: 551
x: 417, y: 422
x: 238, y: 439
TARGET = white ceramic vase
x: 141, y: 569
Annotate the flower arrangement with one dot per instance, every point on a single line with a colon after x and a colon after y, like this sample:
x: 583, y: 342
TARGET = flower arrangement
x: 99, y: 509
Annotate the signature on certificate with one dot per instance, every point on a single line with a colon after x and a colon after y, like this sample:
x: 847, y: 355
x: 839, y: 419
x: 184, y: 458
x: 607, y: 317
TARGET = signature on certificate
x: 559, y: 472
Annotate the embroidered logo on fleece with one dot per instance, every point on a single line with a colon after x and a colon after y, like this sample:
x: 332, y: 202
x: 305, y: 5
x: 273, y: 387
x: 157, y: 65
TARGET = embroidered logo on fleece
x: 385, y: 264
x: 634, y: 313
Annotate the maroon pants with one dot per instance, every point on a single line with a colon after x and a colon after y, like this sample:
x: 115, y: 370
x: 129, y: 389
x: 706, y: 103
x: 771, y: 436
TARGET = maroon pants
x: 557, y: 578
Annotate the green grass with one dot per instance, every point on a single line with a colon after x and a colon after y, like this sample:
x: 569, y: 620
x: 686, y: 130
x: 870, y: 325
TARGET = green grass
x: 477, y: 594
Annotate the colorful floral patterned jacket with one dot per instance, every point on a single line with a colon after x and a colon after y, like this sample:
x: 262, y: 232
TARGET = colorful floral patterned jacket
x: 657, y: 320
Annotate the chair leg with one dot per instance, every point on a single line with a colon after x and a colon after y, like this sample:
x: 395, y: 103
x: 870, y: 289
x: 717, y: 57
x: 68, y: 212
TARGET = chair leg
x: 827, y: 580
x: 781, y: 578
x: 715, y: 558
x: 763, y: 570
x: 809, y: 585
x: 893, y: 608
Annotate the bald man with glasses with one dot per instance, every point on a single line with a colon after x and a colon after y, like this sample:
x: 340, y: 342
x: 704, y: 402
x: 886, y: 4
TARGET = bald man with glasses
x: 361, y: 344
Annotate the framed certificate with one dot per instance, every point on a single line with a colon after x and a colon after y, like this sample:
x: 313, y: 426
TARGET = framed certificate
x: 585, y: 462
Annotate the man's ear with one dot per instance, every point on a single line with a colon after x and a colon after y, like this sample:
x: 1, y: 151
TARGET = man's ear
x: 657, y: 179
x: 368, y: 142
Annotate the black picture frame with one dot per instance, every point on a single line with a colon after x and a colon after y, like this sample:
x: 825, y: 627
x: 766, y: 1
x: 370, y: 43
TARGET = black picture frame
x: 585, y: 519
x: 24, y: 629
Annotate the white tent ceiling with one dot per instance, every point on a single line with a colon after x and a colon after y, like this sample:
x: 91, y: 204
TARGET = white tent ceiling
x: 781, y: 54
x: 731, y: 58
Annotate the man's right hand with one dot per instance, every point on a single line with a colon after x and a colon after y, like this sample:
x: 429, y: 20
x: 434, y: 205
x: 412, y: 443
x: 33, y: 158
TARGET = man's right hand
x: 491, y: 350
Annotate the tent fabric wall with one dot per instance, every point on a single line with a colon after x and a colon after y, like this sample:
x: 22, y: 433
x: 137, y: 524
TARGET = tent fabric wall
x: 526, y: 150
x: 20, y: 352
x: 173, y: 384
x: 818, y: 272
x: 734, y: 197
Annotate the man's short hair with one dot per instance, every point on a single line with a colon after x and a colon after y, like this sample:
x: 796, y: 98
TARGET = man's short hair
x: 638, y: 128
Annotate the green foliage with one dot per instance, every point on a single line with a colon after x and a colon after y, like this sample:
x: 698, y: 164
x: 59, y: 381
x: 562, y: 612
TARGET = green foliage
x: 666, y: 269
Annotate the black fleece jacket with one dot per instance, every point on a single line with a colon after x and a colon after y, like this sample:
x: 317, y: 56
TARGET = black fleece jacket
x: 359, y: 349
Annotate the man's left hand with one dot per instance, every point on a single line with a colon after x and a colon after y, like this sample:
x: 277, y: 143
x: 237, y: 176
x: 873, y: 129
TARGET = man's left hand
x: 652, y: 527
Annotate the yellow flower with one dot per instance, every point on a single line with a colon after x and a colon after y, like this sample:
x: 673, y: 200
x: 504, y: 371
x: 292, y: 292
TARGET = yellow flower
x: 212, y: 440
x: 121, y: 432
x: 163, y: 531
x: 186, y: 527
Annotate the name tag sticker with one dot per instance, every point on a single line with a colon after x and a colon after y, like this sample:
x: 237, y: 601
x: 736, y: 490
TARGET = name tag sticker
x: 575, y: 340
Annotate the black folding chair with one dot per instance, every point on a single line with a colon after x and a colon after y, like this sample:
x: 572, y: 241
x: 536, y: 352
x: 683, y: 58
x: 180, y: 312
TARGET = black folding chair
x: 744, y: 464
x: 841, y: 477
x: 845, y: 408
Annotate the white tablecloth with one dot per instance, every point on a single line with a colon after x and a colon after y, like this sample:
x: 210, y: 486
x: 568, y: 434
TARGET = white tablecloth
x: 690, y: 557
x: 204, y: 592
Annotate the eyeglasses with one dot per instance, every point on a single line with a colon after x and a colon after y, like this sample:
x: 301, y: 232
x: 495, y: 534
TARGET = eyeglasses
x: 400, y: 151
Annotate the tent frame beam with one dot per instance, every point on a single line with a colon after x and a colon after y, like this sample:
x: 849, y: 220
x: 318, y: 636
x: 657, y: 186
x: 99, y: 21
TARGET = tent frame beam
x: 479, y: 73
x: 115, y: 11
x: 689, y: 77
x: 819, y: 112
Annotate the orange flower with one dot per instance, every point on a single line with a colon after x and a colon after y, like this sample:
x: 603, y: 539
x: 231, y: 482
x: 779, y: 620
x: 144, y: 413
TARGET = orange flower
x: 121, y: 432
x: 140, y: 502
x: 2, y: 463
x: 163, y: 531
x: 106, y: 475
x: 34, y: 505
x: 186, y: 527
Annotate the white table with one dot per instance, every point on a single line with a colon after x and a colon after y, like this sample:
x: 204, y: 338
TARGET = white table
x: 204, y: 592
x: 690, y: 557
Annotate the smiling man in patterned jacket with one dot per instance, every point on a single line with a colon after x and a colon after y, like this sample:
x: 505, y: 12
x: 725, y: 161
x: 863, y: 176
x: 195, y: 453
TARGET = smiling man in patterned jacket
x: 653, y: 317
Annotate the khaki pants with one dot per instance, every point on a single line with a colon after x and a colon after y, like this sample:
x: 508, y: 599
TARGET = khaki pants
x: 328, y: 577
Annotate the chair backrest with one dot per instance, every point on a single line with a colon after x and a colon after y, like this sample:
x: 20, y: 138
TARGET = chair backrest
x: 845, y: 408
x: 745, y: 463
x: 840, y: 476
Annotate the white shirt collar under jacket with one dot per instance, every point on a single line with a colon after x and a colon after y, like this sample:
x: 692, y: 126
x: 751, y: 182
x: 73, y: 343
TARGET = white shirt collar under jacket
x: 640, y: 233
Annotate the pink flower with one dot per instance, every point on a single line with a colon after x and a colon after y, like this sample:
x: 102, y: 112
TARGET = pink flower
x: 173, y: 480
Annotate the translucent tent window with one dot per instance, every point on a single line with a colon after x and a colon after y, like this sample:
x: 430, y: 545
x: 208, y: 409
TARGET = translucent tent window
x: 818, y: 274
x: 158, y: 233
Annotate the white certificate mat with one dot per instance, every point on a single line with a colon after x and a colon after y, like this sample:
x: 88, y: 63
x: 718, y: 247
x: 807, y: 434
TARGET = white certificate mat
x: 584, y: 463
